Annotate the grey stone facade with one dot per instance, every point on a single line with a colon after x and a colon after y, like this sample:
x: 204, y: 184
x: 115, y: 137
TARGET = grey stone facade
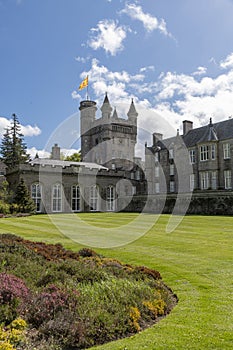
x: 189, y: 173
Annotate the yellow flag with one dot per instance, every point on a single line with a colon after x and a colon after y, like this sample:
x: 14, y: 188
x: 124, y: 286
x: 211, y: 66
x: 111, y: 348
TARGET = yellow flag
x: 83, y: 84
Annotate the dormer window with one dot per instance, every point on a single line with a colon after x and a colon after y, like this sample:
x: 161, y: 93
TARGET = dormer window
x: 171, y: 153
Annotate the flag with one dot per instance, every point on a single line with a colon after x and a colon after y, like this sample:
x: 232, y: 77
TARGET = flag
x: 84, y: 83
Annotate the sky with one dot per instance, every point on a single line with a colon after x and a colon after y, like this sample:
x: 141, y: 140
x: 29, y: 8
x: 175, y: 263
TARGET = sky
x: 173, y: 57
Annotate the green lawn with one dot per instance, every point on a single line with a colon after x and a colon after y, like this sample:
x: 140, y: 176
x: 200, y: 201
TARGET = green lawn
x: 195, y: 260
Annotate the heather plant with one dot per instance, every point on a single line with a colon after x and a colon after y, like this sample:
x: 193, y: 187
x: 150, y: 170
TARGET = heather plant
x: 12, y: 290
x: 44, y: 306
x: 76, y: 300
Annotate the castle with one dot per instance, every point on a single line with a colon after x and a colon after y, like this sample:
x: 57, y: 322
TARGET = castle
x: 191, y: 172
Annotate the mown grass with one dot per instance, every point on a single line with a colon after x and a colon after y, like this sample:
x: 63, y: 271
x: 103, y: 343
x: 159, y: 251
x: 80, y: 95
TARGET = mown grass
x: 195, y: 260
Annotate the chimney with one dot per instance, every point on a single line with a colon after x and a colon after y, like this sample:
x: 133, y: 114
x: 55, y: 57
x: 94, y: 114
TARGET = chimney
x: 157, y: 137
x: 56, y: 152
x: 187, y: 126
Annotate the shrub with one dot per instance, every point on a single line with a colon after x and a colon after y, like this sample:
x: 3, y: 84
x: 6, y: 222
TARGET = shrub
x: 44, y: 306
x: 12, y: 289
x: 12, y: 335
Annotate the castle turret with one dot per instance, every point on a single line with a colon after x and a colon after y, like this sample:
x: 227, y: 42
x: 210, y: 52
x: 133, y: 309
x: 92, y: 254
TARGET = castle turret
x: 106, y: 108
x: 132, y: 114
x: 87, y: 118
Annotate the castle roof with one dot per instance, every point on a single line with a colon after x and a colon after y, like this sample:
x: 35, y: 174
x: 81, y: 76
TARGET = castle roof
x: 65, y: 163
x: 209, y: 133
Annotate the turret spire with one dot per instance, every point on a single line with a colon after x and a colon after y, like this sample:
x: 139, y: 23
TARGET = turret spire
x: 106, y: 108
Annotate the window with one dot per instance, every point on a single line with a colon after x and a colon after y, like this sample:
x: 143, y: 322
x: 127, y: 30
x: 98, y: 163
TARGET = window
x: 192, y: 156
x: 214, y: 180
x: 157, y: 187
x: 226, y: 151
x: 227, y: 179
x: 93, y: 198
x: 171, y: 169
x: 172, y: 186
x: 36, y: 196
x: 204, y: 180
x: 57, y: 198
x: 75, y: 200
x: 156, y: 157
x: 213, y: 152
x: 171, y: 153
x: 110, y: 198
x: 134, y: 190
x: 138, y: 177
x: 192, y: 182
x: 204, y: 152
x: 156, y: 171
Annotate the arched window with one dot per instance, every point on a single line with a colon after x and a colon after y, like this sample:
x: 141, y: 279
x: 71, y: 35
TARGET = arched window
x: 36, y: 193
x: 57, y: 198
x: 75, y: 199
x: 94, y: 202
x: 110, y: 198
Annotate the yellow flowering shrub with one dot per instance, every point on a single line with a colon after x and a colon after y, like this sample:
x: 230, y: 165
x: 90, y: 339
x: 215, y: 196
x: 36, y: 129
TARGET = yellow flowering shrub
x: 156, y: 307
x: 12, y: 335
x: 135, y: 316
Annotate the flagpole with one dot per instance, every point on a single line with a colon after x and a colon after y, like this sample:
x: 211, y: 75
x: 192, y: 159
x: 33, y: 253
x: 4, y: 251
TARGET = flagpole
x: 87, y: 88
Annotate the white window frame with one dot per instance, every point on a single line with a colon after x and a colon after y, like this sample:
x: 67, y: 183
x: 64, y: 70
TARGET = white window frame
x: 226, y: 150
x: 204, y: 153
x: 57, y: 198
x: 157, y: 187
x: 172, y: 169
x: 75, y: 198
x: 36, y: 194
x: 214, y: 180
x: 156, y: 171
x: 227, y: 179
x: 213, y: 151
x: 171, y: 153
x: 172, y: 186
x: 110, y: 198
x: 192, y: 156
x: 192, y: 182
x: 94, y: 198
x: 204, y: 180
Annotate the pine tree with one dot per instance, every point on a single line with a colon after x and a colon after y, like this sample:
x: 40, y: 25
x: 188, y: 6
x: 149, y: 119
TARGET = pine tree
x: 23, y: 199
x: 13, y: 148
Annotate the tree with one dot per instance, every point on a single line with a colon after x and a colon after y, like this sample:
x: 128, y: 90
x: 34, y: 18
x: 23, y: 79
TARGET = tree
x: 13, y: 148
x: 23, y: 199
x: 75, y: 157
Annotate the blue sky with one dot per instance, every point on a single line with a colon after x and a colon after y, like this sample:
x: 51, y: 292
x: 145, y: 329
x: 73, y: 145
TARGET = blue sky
x: 174, y: 57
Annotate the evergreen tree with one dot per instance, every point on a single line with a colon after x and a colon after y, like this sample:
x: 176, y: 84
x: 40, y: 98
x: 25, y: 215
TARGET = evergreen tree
x: 23, y: 199
x: 13, y: 148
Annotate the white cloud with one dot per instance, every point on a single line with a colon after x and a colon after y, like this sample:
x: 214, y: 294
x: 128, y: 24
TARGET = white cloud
x: 41, y: 153
x: 82, y: 59
x: 29, y: 130
x: 4, y: 123
x: 200, y: 71
x: 45, y: 154
x: 26, y: 130
x: 228, y: 62
x: 108, y: 36
x: 75, y: 95
x: 148, y: 68
x: 149, y: 22
x: 172, y: 97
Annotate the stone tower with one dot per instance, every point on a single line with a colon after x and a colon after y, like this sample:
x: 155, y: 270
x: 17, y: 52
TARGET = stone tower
x: 108, y: 140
